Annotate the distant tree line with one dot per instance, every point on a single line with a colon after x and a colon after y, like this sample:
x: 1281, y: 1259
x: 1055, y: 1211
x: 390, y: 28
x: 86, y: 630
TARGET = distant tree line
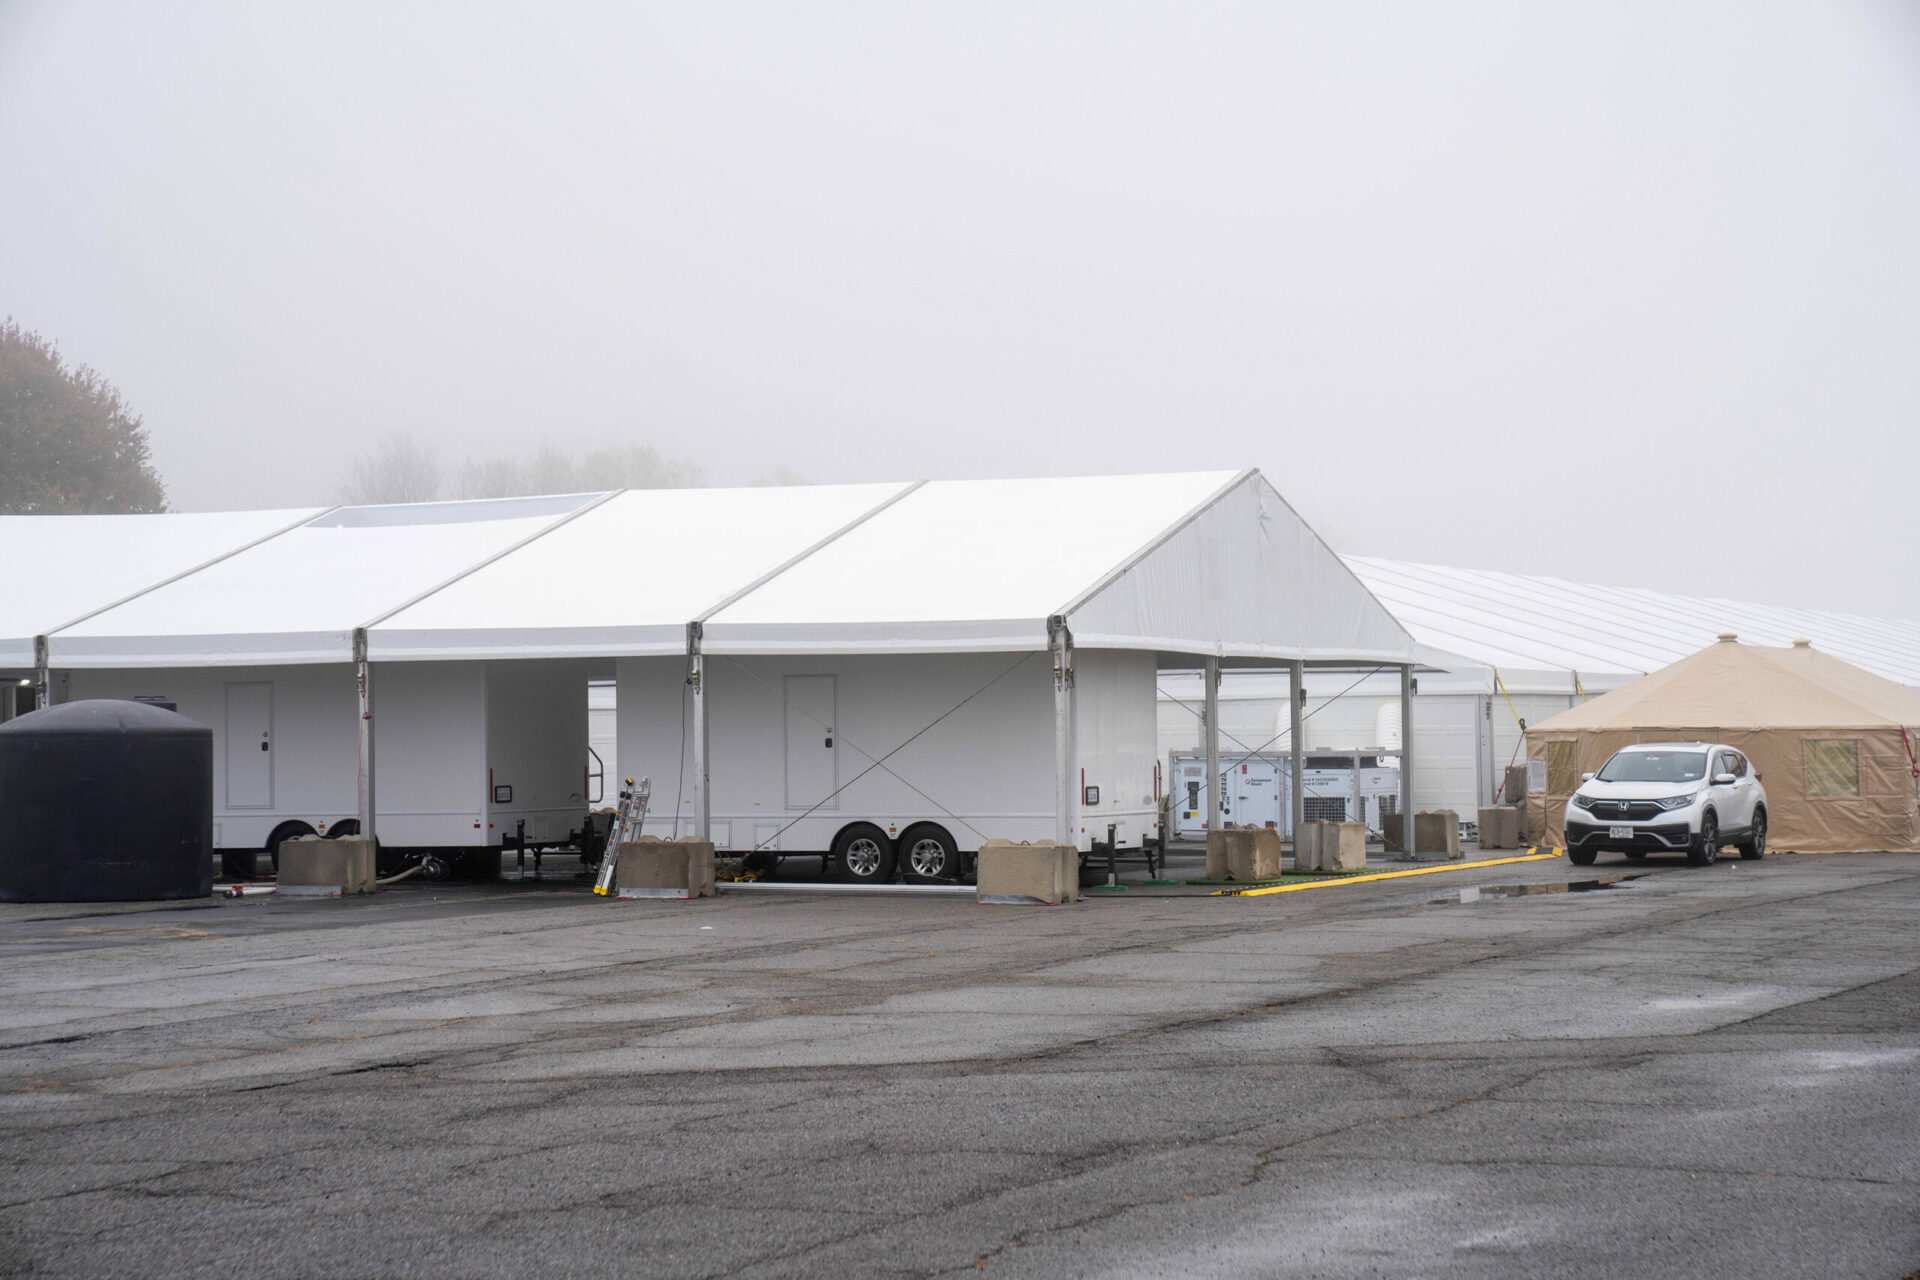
x: 402, y: 469
x: 68, y: 441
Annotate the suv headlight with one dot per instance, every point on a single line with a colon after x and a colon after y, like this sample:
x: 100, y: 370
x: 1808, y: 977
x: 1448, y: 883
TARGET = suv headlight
x: 1678, y: 802
x: 1579, y: 801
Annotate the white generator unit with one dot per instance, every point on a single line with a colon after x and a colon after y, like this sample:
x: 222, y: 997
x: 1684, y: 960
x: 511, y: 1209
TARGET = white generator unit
x: 1340, y: 786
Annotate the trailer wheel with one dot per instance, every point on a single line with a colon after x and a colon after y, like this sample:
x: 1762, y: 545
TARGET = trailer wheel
x: 928, y: 852
x: 862, y: 854
x: 281, y: 834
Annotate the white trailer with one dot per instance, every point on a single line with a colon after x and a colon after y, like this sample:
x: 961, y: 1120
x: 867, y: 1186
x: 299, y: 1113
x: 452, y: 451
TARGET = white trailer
x: 473, y: 756
x: 809, y: 758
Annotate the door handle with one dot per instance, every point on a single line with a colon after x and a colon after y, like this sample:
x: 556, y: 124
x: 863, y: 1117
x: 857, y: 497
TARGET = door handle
x: 829, y: 741
x: 263, y: 746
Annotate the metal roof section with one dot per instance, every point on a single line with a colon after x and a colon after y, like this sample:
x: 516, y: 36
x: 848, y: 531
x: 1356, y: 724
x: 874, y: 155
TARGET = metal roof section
x: 298, y: 597
x: 63, y: 568
x: 1530, y: 628
x: 676, y: 554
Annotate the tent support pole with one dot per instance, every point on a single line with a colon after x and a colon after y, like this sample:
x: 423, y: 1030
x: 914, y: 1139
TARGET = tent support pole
x: 42, y: 674
x: 1297, y: 767
x: 1211, y: 729
x: 363, y: 684
x: 1406, y: 761
x: 697, y: 692
x: 1065, y: 785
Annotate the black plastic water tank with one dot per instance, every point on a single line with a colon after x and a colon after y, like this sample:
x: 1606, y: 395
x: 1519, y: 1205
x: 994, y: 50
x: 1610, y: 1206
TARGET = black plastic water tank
x: 105, y: 801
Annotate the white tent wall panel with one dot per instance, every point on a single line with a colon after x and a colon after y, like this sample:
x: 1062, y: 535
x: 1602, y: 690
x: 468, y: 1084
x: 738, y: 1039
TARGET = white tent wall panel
x: 536, y: 722
x: 991, y: 762
x: 1509, y: 743
x: 1245, y: 577
x: 1446, y: 741
x: 1249, y: 720
x: 1352, y: 721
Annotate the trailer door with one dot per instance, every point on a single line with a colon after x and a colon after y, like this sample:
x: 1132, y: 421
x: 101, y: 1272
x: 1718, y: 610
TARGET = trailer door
x: 812, y: 774
x: 249, y: 745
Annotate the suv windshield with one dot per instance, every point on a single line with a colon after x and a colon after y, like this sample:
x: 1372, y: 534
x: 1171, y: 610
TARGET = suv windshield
x: 1655, y: 766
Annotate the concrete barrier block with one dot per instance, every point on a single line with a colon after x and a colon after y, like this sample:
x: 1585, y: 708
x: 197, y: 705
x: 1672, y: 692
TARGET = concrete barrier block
x: 1216, y: 855
x: 1390, y: 833
x: 1307, y: 845
x: 1254, y: 854
x: 1500, y: 827
x: 1437, y: 831
x: 1513, y: 789
x: 1034, y: 874
x: 1343, y: 846
x: 314, y: 868
x: 651, y: 867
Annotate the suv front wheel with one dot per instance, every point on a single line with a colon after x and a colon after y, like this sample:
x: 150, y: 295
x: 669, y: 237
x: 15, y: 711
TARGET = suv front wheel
x: 1706, y: 845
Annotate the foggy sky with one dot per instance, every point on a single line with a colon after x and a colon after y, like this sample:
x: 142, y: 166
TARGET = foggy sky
x: 1624, y: 292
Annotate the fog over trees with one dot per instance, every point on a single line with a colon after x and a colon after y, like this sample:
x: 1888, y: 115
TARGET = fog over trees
x: 400, y: 468
x: 68, y: 441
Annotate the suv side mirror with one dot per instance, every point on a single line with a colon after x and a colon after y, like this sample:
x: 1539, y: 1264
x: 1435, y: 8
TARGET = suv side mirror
x: 1586, y: 777
x: 1724, y: 779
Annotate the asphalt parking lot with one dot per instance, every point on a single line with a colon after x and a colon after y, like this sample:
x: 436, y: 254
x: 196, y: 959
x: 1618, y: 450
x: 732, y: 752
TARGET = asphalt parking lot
x: 1704, y: 1072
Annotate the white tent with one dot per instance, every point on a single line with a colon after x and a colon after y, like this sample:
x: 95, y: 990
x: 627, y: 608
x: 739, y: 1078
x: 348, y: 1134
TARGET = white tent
x: 1201, y: 569
x: 1545, y: 634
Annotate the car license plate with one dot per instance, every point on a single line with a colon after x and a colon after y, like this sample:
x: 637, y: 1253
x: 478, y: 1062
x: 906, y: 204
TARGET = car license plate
x: 1619, y: 833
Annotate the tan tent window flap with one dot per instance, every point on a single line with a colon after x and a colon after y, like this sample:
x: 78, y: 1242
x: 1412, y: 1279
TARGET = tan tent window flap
x: 1833, y: 767
x: 1563, y: 769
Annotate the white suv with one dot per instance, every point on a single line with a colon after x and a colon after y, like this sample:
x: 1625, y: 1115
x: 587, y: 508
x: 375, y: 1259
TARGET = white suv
x: 1657, y: 796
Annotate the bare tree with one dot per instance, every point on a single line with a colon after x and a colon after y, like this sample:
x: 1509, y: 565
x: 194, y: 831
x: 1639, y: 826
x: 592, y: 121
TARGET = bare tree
x: 398, y: 469
x: 401, y: 469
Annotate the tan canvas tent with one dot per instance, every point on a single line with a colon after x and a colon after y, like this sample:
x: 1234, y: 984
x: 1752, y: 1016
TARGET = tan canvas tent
x: 1834, y: 745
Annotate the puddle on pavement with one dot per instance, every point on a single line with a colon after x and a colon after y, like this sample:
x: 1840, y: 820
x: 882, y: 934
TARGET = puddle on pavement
x: 1476, y: 893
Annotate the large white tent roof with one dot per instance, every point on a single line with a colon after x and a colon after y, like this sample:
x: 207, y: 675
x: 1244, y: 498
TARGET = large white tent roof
x: 1209, y: 562
x: 62, y: 568
x: 626, y: 577
x: 1198, y: 563
x: 298, y: 597
x: 1542, y: 633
